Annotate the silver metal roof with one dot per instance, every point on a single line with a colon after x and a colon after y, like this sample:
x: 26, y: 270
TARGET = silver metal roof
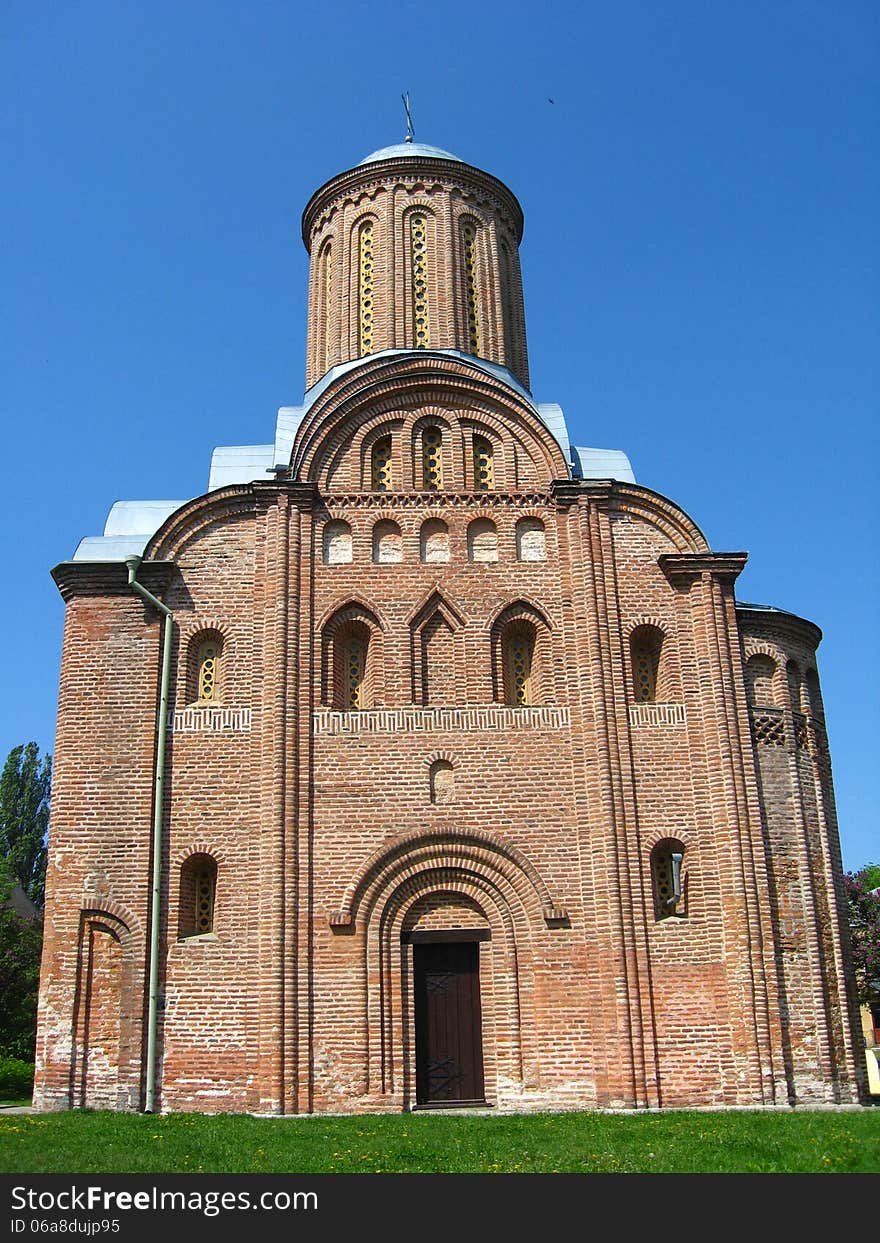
x: 240, y: 464
x: 408, y: 151
x: 601, y: 464
x: 138, y: 517
x: 131, y: 524
x: 110, y: 547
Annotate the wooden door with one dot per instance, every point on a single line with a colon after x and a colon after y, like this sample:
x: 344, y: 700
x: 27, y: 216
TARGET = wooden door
x: 449, y: 1041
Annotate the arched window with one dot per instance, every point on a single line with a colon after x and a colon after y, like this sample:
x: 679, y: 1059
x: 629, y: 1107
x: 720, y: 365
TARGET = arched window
x: 507, y: 288
x: 365, y: 287
x: 814, y: 695
x: 326, y: 294
x: 645, y: 645
x: 432, y: 459
x: 484, y: 466
x: 442, y: 782
x: 351, y: 647
x: 387, y: 546
x: 760, y: 672
x: 337, y: 543
x: 518, y: 653
x: 482, y: 540
x: 380, y: 465
x: 471, y: 284
x: 667, y: 877
x: 418, y: 243
x: 530, y: 543
x: 434, y: 540
x: 198, y: 892
x: 205, y: 667
x: 797, y: 693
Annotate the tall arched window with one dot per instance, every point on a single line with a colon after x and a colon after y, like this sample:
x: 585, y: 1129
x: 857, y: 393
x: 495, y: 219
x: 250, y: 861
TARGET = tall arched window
x: 442, y: 782
x: 482, y: 540
x: 418, y: 244
x: 484, y: 464
x: 518, y: 645
x: 432, y: 459
x: 380, y: 465
x: 198, y: 892
x: 760, y: 673
x: 645, y: 645
x: 365, y: 287
x: 507, y: 287
x: 667, y: 878
x: 351, y: 650
x: 205, y: 669
x: 797, y: 694
x: 326, y: 294
x: 355, y: 671
x: 814, y: 695
x: 471, y: 284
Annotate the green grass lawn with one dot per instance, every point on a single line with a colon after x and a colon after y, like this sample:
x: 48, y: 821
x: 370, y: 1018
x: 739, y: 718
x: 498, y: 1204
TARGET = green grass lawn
x: 686, y: 1142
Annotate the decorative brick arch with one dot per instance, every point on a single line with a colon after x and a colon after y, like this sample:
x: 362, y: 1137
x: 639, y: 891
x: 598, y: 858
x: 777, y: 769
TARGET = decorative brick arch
x: 199, y: 848
x: 383, y: 387
x: 455, y: 866
x: 104, y: 1067
x: 188, y: 522
x: 651, y: 620
x: 759, y: 647
x: 657, y: 510
x: 475, y: 850
x: 194, y: 631
x: 447, y: 757
x: 523, y: 612
x: 336, y: 622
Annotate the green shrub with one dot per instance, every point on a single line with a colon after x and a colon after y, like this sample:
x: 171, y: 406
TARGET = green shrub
x: 16, y: 1078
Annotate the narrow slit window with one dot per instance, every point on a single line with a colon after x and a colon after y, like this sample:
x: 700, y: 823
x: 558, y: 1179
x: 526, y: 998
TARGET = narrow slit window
x: 518, y: 653
x: 472, y: 292
x: 355, y: 673
x: 208, y: 671
x: 667, y: 873
x: 432, y: 459
x: 328, y: 302
x: 366, y: 287
x: 380, y: 465
x: 418, y: 241
x: 205, y: 900
x: 645, y: 648
x: 198, y: 894
x: 484, y: 465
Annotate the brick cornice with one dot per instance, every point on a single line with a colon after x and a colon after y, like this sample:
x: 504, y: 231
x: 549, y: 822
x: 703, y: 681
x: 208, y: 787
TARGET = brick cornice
x: 679, y: 567
x: 447, y: 173
x: 109, y: 578
x: 761, y: 620
x: 567, y: 491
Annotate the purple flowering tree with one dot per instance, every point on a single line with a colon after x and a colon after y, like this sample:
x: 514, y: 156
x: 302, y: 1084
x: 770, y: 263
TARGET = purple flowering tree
x: 863, y: 902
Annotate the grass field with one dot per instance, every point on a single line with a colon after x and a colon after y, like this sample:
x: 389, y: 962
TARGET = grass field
x: 686, y: 1142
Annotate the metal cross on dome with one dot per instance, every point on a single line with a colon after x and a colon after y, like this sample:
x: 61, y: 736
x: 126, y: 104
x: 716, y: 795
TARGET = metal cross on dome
x: 410, y: 128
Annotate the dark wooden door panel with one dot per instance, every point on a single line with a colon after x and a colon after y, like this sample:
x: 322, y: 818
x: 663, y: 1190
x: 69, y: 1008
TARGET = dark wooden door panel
x: 449, y: 1046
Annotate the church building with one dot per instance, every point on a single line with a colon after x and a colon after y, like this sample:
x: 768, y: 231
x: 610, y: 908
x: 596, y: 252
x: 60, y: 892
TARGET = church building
x: 427, y: 759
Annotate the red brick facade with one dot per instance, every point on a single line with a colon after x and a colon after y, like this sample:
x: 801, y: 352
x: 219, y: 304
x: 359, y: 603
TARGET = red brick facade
x: 500, y: 732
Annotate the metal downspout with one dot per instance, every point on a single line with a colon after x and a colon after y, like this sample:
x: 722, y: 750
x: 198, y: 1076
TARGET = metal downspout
x: 133, y: 564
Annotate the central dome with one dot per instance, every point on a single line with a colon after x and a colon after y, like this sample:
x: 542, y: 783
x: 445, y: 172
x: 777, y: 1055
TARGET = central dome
x: 408, y: 150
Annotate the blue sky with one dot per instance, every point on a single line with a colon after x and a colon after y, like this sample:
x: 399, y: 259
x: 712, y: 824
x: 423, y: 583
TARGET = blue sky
x: 700, y: 263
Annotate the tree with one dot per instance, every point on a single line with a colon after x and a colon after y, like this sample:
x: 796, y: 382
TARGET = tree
x: 24, y: 817
x: 21, y: 943
x: 863, y: 903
